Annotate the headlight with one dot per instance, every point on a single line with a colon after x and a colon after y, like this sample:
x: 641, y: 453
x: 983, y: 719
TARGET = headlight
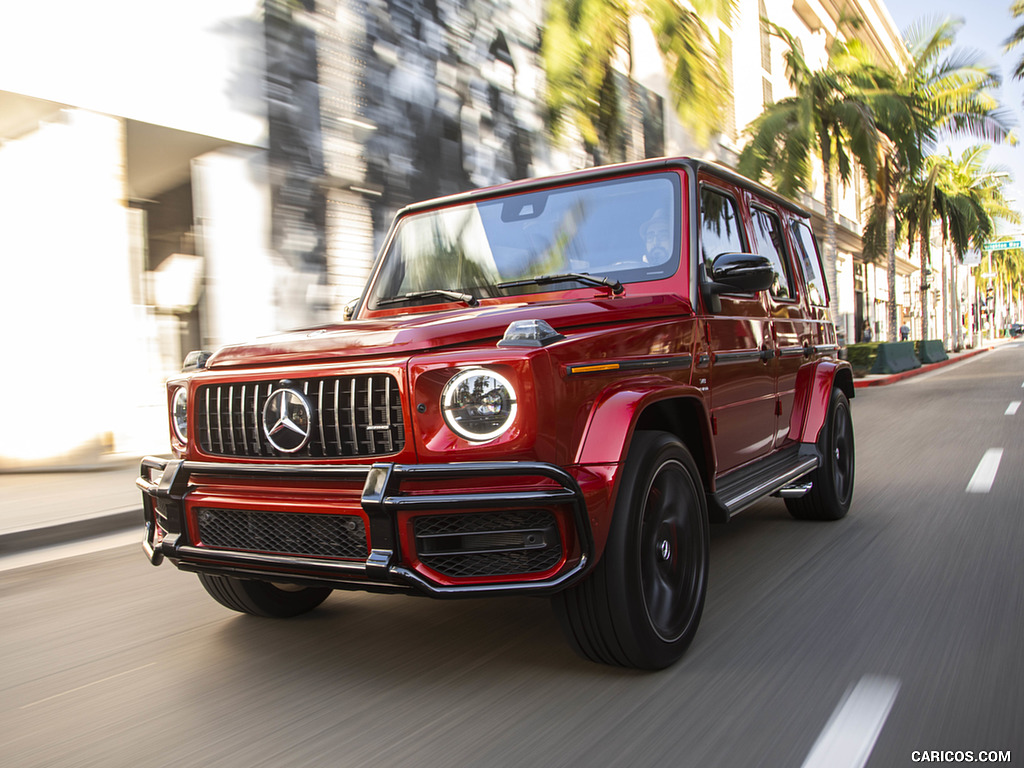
x: 179, y: 413
x: 478, y: 404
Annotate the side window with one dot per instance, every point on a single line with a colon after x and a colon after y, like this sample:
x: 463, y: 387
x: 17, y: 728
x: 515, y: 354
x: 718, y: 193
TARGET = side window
x: 810, y: 264
x: 721, y: 230
x: 769, y: 241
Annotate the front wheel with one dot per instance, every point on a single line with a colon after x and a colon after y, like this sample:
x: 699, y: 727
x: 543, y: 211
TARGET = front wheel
x: 832, y: 482
x: 641, y: 605
x: 261, y: 598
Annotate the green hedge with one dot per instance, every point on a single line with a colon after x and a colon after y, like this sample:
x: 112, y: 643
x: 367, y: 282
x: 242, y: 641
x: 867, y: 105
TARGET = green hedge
x: 862, y: 356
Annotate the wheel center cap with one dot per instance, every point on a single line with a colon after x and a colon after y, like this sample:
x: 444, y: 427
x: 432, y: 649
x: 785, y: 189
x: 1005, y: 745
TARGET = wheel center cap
x: 665, y: 550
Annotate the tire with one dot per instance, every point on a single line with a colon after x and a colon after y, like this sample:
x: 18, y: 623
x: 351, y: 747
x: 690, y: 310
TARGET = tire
x: 832, y: 482
x: 641, y: 604
x: 261, y: 598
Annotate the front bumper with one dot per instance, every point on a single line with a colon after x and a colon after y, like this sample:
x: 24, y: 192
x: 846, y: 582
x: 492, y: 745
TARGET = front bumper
x: 167, y: 484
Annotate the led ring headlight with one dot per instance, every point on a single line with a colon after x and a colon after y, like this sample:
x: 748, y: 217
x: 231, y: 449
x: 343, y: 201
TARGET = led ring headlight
x: 478, y: 404
x: 179, y: 413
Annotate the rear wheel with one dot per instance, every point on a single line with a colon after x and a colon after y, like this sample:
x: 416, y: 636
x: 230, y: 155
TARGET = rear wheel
x: 832, y: 482
x: 262, y: 598
x: 641, y: 605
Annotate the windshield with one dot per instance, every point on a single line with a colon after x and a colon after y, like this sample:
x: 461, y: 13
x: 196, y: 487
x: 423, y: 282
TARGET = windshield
x: 625, y: 229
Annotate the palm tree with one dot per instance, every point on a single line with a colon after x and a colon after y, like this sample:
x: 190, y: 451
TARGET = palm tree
x: 941, y: 92
x: 1017, y: 11
x: 940, y: 194
x: 965, y: 196
x: 585, y: 39
x: 828, y: 118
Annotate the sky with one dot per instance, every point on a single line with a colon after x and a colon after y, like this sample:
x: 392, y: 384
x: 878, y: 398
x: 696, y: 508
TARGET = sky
x: 986, y: 25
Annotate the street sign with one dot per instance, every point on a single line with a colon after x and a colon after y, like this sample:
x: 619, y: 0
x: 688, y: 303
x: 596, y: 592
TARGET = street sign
x: 1005, y: 245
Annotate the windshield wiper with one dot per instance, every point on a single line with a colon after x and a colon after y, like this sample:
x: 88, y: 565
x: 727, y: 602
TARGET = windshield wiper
x: 466, y: 298
x: 579, y: 277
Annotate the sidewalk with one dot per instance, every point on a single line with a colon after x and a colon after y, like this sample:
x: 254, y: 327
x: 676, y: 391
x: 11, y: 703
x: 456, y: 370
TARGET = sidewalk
x: 40, y: 509
x: 46, y: 508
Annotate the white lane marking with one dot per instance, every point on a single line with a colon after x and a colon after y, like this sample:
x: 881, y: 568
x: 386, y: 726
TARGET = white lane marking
x: 985, y: 474
x: 89, y: 685
x: 851, y: 732
x: 1011, y: 409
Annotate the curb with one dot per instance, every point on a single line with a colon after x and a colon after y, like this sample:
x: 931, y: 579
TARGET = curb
x: 75, y: 530
x: 881, y: 381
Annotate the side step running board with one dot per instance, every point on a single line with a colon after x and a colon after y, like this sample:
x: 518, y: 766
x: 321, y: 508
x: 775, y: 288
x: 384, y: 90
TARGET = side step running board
x: 776, y: 475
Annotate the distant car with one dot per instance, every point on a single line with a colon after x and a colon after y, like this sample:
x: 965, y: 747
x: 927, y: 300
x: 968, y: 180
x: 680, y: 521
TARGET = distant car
x: 550, y: 387
x: 1016, y: 329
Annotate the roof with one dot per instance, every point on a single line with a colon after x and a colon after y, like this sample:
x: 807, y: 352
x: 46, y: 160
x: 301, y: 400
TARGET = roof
x: 605, y: 172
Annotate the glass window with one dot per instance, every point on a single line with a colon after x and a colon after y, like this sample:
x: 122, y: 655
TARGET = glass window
x: 769, y: 241
x: 720, y: 227
x: 624, y: 229
x: 810, y: 265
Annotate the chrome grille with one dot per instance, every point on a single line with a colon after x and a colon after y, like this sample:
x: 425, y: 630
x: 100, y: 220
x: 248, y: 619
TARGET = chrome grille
x: 351, y: 416
x: 283, y: 533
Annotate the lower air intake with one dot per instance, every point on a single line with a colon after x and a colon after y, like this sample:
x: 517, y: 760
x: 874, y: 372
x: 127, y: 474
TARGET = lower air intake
x: 488, y: 544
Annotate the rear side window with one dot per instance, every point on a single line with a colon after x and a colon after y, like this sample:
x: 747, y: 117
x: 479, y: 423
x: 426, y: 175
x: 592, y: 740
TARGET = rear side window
x: 810, y: 264
x: 770, y: 242
x: 720, y: 228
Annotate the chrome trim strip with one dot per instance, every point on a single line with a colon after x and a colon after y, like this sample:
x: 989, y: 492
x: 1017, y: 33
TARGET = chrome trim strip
x: 370, y: 433
x: 209, y: 427
x: 241, y: 411
x: 726, y: 358
x: 792, y: 351
x: 352, y: 416
x: 320, y: 415
x: 231, y: 417
x: 337, y: 417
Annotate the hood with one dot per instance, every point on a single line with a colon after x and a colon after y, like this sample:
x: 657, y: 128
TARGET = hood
x: 409, y: 334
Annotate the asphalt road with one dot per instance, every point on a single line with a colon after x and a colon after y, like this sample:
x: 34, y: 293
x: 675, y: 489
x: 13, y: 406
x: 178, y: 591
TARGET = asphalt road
x: 913, y: 605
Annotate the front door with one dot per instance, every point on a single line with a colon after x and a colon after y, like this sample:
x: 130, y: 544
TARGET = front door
x: 735, y: 361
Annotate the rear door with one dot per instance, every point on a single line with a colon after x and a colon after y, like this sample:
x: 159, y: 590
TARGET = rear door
x: 789, y: 331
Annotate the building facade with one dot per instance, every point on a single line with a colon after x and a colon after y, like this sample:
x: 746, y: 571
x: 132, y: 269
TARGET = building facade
x: 184, y: 175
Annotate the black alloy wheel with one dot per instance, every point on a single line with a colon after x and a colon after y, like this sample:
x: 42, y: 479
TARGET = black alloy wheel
x: 832, y: 482
x: 641, y: 605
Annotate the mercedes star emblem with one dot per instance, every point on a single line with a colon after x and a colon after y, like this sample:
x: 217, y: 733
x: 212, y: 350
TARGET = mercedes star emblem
x: 287, y: 420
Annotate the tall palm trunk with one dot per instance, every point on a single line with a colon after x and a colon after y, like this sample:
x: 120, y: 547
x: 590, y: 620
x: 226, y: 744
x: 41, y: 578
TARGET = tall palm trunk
x: 946, y: 321
x: 890, y: 248
x: 958, y: 325
x: 924, y: 287
x: 831, y: 236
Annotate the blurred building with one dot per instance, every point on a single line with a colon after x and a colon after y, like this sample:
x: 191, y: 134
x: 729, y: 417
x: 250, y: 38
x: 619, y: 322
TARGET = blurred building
x: 134, y: 212
x: 182, y: 175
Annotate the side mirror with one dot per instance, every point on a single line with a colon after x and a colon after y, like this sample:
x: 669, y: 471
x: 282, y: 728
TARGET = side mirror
x: 737, y: 273
x: 742, y: 273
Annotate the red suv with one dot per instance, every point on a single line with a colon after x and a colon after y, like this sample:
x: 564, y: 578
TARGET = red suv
x: 549, y: 387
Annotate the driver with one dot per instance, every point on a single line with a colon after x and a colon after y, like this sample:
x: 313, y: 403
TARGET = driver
x: 657, y: 238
